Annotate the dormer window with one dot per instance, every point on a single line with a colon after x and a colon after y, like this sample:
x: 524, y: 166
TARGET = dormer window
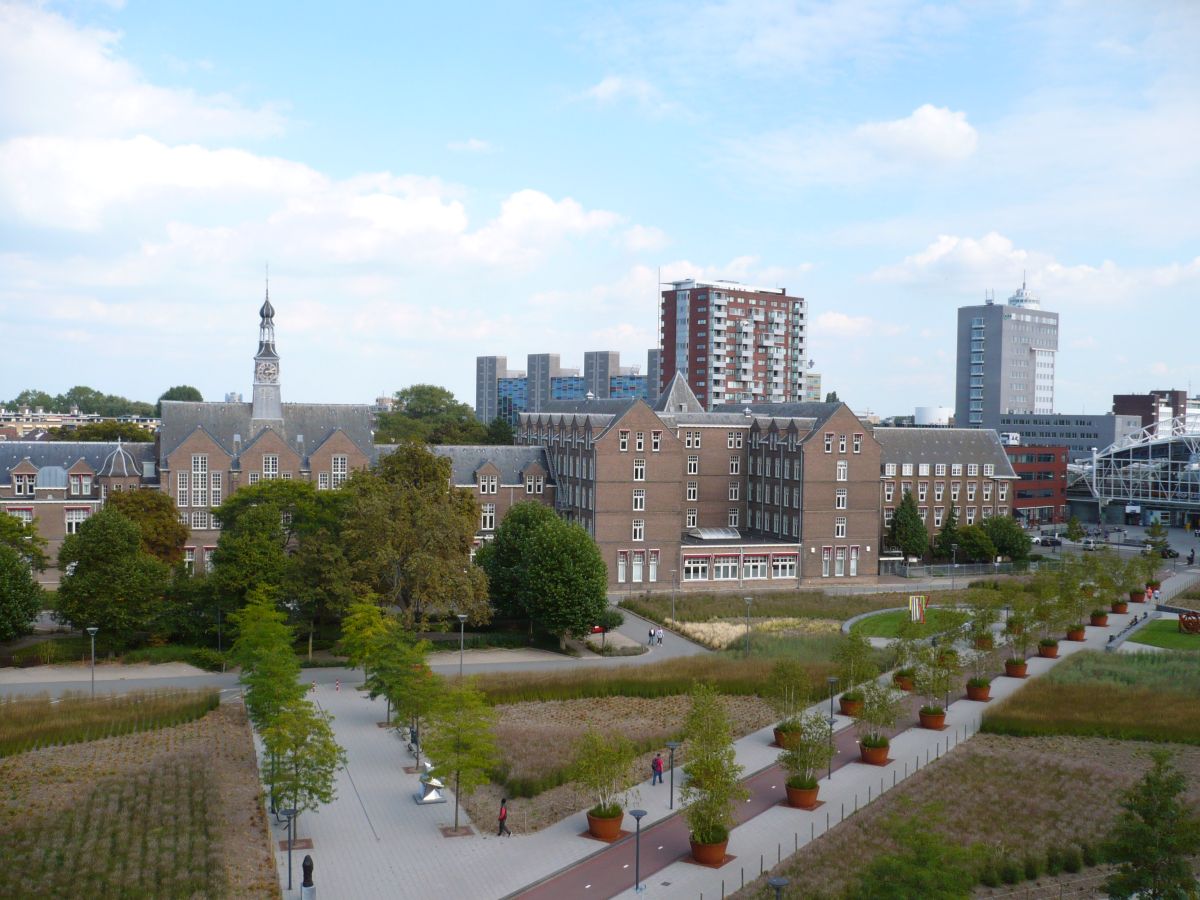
x: 81, y: 485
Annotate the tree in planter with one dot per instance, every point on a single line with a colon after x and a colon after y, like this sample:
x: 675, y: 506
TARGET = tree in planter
x: 880, y: 711
x: 983, y: 663
x: 788, y: 692
x: 603, y: 766
x: 713, y: 783
x: 303, y: 756
x: 937, y: 671
x: 904, y: 648
x: 807, y: 753
x: 1154, y: 837
x: 855, y: 664
x: 460, y: 740
x: 984, y: 608
x: 907, y: 531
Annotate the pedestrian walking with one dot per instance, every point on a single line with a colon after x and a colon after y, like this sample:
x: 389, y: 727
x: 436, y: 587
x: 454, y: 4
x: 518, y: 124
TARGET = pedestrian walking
x: 503, y: 819
x: 650, y: 640
x: 659, y: 637
x: 1157, y: 595
x: 656, y: 769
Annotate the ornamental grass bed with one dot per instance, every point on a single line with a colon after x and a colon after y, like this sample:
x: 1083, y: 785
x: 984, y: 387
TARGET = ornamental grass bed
x: 165, y: 813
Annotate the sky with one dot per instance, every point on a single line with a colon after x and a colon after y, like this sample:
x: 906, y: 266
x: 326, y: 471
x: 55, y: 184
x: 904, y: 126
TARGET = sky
x: 433, y: 182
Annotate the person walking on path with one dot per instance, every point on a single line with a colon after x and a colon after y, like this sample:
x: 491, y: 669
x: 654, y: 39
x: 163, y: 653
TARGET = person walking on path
x: 656, y: 767
x: 503, y: 818
x: 659, y: 637
x: 650, y: 640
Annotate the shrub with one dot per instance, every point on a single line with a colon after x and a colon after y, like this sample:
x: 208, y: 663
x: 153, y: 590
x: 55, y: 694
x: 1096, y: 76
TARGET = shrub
x: 989, y: 876
x: 1090, y: 855
x: 1054, y: 861
x: 1072, y: 860
x: 1033, y: 867
x: 1011, y: 872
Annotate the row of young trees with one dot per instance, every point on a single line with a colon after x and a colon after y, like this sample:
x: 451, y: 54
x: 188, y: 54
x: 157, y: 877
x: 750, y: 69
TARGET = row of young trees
x: 992, y: 537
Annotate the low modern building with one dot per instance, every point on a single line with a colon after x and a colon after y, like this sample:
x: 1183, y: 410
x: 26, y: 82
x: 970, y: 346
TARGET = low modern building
x: 1158, y: 408
x: 1040, y: 493
x: 1080, y: 434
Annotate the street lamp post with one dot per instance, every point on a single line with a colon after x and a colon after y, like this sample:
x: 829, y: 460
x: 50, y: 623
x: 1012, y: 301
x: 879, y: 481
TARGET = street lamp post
x: 779, y: 883
x: 953, y: 564
x: 672, y: 746
x: 290, y: 815
x: 749, y: 600
x: 462, y: 625
x: 637, y: 851
x: 92, y: 629
x: 832, y: 686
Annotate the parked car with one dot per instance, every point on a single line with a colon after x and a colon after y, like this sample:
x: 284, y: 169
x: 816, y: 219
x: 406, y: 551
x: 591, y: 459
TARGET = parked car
x: 1088, y: 543
x: 1048, y: 540
x: 1164, y: 552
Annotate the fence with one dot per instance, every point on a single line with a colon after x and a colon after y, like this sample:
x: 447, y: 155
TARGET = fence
x: 967, y: 570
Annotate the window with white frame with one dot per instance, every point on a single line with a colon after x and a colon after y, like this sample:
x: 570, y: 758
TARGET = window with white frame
x: 841, y: 443
x: 487, y: 519
x: 987, y: 490
x: 655, y: 445
x: 853, y: 561
x: 323, y: 481
x: 923, y: 470
x: 839, y: 562
x: 639, y: 499
x: 623, y: 441
x: 889, y: 490
x: 970, y: 491
x: 23, y: 485
x: 528, y: 484
x: 270, y: 468
x: 639, y: 470
x: 539, y: 484
x: 1002, y: 492
x: 254, y: 478
x: 693, y: 491
x: 621, y: 558
x: 217, y: 492
x: 691, y: 517
x: 939, y: 469
x: 24, y: 516
x: 732, y: 517
x: 954, y: 491
x: 858, y: 443
x: 735, y: 490
x: 75, y: 516
x: 199, y: 521
x: 81, y: 485
x: 693, y: 465
x: 923, y: 511
x: 888, y: 513
x: 725, y: 568
x: 189, y: 559
x: 970, y: 515
x: 639, y: 561
x: 939, y: 488
x: 841, y: 498
x: 839, y: 527
x: 937, y: 516
x: 638, y: 531
x: 199, y: 479
x: 826, y: 558
x: 829, y: 442
x: 735, y: 465
x: 181, y: 488
x: 843, y: 470
x: 729, y: 439
x: 889, y: 469
x: 787, y: 495
x: 695, y: 568
x: 653, y: 565
x: 989, y: 470
x: 783, y: 567
x: 639, y: 444
x: 956, y: 469
x: 922, y: 490
x: 906, y: 469
x: 754, y: 567
x: 986, y: 512
x: 972, y: 470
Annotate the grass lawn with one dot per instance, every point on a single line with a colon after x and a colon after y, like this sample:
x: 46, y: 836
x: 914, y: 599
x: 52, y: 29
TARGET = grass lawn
x: 1013, y: 799
x: 887, y: 625
x: 785, y: 604
x: 1165, y: 633
x: 1129, y: 696
x: 173, y: 812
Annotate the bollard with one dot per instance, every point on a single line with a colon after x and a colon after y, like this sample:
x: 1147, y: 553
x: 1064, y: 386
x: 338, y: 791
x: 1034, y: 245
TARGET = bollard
x: 894, y: 774
x: 868, y: 795
x: 843, y: 818
x: 881, y: 783
x: 826, y: 821
x: 307, y: 890
x: 812, y: 834
x: 337, y: 686
x: 779, y: 852
x: 761, y: 867
x: 856, y: 801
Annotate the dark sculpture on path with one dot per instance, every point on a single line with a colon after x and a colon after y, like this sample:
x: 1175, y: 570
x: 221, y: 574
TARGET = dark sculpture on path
x: 1189, y: 622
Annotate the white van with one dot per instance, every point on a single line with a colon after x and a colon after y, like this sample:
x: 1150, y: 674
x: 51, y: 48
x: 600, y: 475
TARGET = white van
x: 1088, y: 543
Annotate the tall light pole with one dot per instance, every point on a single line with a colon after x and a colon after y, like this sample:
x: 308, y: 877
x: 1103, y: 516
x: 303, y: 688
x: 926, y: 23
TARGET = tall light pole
x: 462, y: 638
x: 92, y: 629
x: 637, y: 851
x: 779, y: 883
x: 674, y: 591
x: 749, y: 600
x: 290, y: 815
x: 953, y: 564
x: 832, y: 687
x: 672, y: 746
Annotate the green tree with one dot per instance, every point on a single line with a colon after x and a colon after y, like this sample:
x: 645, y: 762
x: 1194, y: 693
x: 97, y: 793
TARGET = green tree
x: 925, y: 865
x: 603, y: 766
x: 318, y: 582
x: 408, y: 534
x: 907, y: 530
x: 943, y: 545
x: 1074, y: 530
x: 24, y: 540
x: 713, y: 784
x: 20, y: 596
x: 461, y: 740
x: 1156, y: 533
x: 129, y: 432
x: 832, y: 397
x: 425, y: 413
x: 112, y: 582
x: 499, y: 432
x: 157, y: 519
x: 400, y: 672
x: 304, y: 756
x: 363, y: 623
x: 34, y: 399
x: 1008, y: 537
x: 507, y: 558
x: 974, y: 545
x: 566, y: 588
x: 1155, y: 835
x: 249, y: 555
x: 179, y: 392
x: 855, y: 663
x: 263, y: 649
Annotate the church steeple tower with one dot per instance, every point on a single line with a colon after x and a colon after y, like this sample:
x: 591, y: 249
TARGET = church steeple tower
x: 267, y: 406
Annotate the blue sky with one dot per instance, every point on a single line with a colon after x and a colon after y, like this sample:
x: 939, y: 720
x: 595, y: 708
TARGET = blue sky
x: 433, y: 182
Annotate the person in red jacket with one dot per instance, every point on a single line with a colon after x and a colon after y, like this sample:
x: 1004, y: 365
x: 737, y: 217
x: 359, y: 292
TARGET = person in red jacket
x: 657, y: 768
x: 503, y: 819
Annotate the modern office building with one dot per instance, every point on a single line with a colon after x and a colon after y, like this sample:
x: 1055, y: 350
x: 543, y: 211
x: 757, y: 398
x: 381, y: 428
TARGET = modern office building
x: 503, y: 392
x: 1040, y: 493
x: 1006, y: 357
x: 1158, y: 409
x: 653, y: 374
x: 1079, y: 434
x: 733, y: 343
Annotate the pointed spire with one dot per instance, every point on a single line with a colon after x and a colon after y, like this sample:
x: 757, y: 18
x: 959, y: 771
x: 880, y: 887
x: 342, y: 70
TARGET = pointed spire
x: 267, y: 311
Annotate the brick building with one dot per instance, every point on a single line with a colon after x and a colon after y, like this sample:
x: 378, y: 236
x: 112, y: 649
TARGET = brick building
x: 1040, y: 493
x: 676, y: 496
x: 961, y: 468
x: 733, y: 343
x: 498, y: 478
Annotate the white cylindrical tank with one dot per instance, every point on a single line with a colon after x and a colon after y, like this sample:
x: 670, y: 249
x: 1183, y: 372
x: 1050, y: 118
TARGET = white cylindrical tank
x: 932, y: 415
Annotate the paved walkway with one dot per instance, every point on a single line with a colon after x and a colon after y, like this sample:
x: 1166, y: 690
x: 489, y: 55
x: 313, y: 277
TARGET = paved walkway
x: 374, y: 841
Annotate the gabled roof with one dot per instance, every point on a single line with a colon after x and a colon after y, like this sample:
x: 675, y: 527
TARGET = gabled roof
x: 466, y: 460
x: 606, y: 406
x: 64, y: 454
x: 815, y: 411
x: 677, y: 398
x: 948, y: 445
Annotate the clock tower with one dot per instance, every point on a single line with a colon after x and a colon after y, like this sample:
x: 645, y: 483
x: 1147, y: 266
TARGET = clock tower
x: 267, y: 406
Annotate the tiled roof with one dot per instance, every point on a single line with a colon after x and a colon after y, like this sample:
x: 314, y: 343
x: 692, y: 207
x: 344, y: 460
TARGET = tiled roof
x: 945, y: 445
x: 816, y: 412
x: 465, y: 461
x: 64, y: 454
x: 677, y: 398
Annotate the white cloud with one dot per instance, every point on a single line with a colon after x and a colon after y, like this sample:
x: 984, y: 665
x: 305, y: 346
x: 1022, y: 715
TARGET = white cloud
x: 471, y: 145
x: 923, y: 144
x: 614, y: 89
x: 642, y: 238
x: 59, y: 78
x: 841, y: 325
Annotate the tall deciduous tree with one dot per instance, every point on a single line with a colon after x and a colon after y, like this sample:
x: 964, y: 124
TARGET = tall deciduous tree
x: 565, y: 588
x: 429, y: 414
x: 157, y: 519
x: 401, y: 673
x: 907, y: 530
x: 1156, y: 835
x: 112, y: 583
x: 250, y: 554
x: 408, y: 535
x: 363, y: 623
x: 24, y: 540
x: 507, y: 558
x: 179, y: 392
x: 461, y: 741
x: 1008, y: 537
x: 20, y: 596
x: 305, y: 756
x: 263, y: 649
x: 499, y: 432
x: 974, y: 545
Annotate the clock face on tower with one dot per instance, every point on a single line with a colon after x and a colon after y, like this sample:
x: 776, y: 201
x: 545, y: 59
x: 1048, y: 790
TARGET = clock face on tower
x: 266, y: 371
